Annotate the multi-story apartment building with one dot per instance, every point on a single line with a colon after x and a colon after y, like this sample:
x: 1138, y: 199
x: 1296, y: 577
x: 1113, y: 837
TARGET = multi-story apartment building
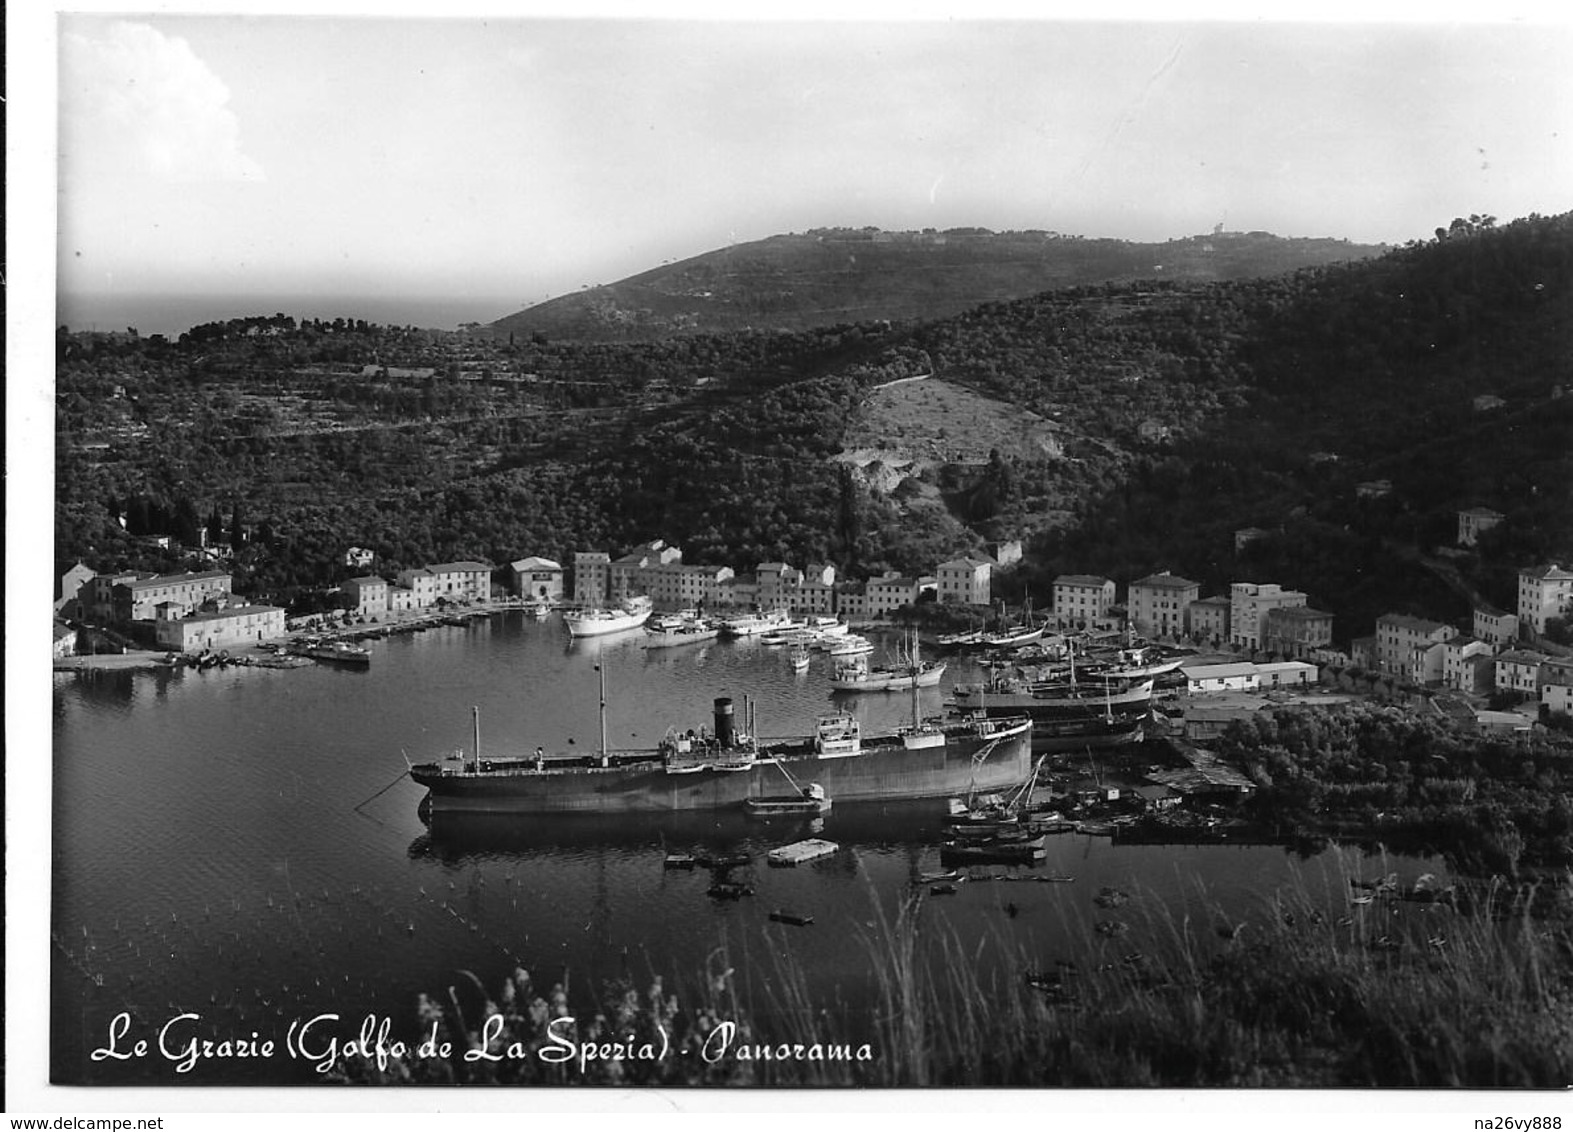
x: 370, y: 595
x: 1411, y: 647
x: 1544, y: 592
x: 1518, y: 670
x: 1159, y: 604
x: 462, y: 581
x: 218, y: 628
x: 1080, y: 599
x: 1468, y: 664
x: 96, y: 599
x: 636, y: 572
x: 1494, y: 626
x: 965, y: 581
x: 1298, y: 631
x: 1209, y: 618
x: 798, y: 591
x: 136, y: 600
x: 422, y: 586
x: 1249, y: 603
x: 592, y: 571
x: 892, y: 591
x: 539, y: 579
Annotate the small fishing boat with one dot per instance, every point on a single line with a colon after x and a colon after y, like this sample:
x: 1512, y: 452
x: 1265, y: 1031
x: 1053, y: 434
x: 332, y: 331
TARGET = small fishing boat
x: 792, y: 918
x: 799, y: 658
x: 811, y: 802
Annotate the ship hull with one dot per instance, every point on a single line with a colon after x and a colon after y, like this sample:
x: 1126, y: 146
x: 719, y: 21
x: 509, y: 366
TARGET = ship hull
x: 600, y: 626
x: 884, y: 771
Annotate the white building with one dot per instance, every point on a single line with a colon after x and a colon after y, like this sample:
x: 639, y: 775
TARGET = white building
x: 218, y: 629
x: 1249, y: 604
x: 539, y: 579
x: 1159, y: 604
x: 1081, y: 599
x: 965, y: 581
x: 1544, y: 592
x: 1411, y: 647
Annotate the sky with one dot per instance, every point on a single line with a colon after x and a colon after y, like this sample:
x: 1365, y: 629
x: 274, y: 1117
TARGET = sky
x: 492, y: 163
x: 235, y: 164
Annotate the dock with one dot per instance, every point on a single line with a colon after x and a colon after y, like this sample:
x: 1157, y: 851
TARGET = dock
x: 800, y: 851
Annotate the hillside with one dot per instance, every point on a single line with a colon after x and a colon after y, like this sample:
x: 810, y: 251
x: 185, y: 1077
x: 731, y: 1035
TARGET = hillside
x: 843, y: 275
x: 1119, y: 428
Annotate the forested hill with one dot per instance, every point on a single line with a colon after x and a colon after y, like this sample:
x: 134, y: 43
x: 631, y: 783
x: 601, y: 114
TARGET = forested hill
x: 1171, y: 414
x: 840, y: 275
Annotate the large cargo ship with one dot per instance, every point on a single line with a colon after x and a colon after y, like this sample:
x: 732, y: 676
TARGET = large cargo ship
x: 726, y: 767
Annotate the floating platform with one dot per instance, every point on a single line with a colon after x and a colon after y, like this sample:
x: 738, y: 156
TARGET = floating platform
x: 800, y: 851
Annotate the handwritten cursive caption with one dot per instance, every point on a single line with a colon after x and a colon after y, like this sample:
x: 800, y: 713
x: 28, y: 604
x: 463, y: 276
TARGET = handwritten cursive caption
x: 325, y: 1040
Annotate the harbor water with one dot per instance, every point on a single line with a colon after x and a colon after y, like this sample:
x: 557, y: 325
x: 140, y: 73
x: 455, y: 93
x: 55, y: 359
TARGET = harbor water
x: 240, y: 845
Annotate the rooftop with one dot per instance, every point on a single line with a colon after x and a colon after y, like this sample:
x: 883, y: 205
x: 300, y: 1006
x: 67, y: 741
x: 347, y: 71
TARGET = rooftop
x: 1296, y: 613
x: 1548, y: 573
x: 1414, y: 624
x: 177, y: 579
x: 534, y: 563
x: 1166, y: 581
x: 1217, y: 671
x: 1522, y: 656
x: 1080, y: 580
x: 233, y: 611
x: 461, y: 567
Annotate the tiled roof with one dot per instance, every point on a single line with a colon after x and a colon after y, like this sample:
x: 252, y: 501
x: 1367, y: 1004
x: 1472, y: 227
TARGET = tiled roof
x: 1415, y: 624
x: 1166, y: 582
x: 462, y: 567
x: 1080, y: 580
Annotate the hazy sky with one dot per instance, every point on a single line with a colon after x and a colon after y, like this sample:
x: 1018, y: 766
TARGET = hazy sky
x: 509, y: 160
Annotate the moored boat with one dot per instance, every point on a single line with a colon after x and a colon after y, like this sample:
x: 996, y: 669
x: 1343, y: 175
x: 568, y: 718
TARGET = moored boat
x: 598, y: 622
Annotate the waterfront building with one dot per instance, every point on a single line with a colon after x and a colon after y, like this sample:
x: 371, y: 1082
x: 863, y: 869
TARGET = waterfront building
x: 1544, y: 592
x: 782, y: 586
x: 65, y: 640
x: 422, y: 586
x: 1475, y: 520
x: 1494, y: 626
x: 219, y: 628
x: 1518, y: 670
x: 1209, y: 618
x: 1081, y: 599
x: 636, y: 572
x: 136, y: 600
x: 538, y: 579
x: 1298, y: 631
x: 462, y: 581
x: 852, y: 600
x: 369, y: 593
x: 1411, y: 647
x: 591, y: 577
x: 891, y: 591
x: 965, y: 581
x: 740, y: 591
x: 403, y: 599
x: 1249, y: 604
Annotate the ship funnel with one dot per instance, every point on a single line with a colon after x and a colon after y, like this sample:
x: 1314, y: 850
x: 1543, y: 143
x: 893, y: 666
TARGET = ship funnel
x: 724, y: 732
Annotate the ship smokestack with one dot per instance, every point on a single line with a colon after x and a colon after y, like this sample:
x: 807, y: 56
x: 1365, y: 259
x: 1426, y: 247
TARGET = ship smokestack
x: 724, y: 732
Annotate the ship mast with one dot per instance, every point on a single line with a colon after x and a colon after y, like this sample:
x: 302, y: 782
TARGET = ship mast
x: 916, y: 667
x: 475, y: 714
x: 601, y: 668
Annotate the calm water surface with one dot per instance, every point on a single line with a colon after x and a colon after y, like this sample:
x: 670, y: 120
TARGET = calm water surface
x: 221, y: 848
